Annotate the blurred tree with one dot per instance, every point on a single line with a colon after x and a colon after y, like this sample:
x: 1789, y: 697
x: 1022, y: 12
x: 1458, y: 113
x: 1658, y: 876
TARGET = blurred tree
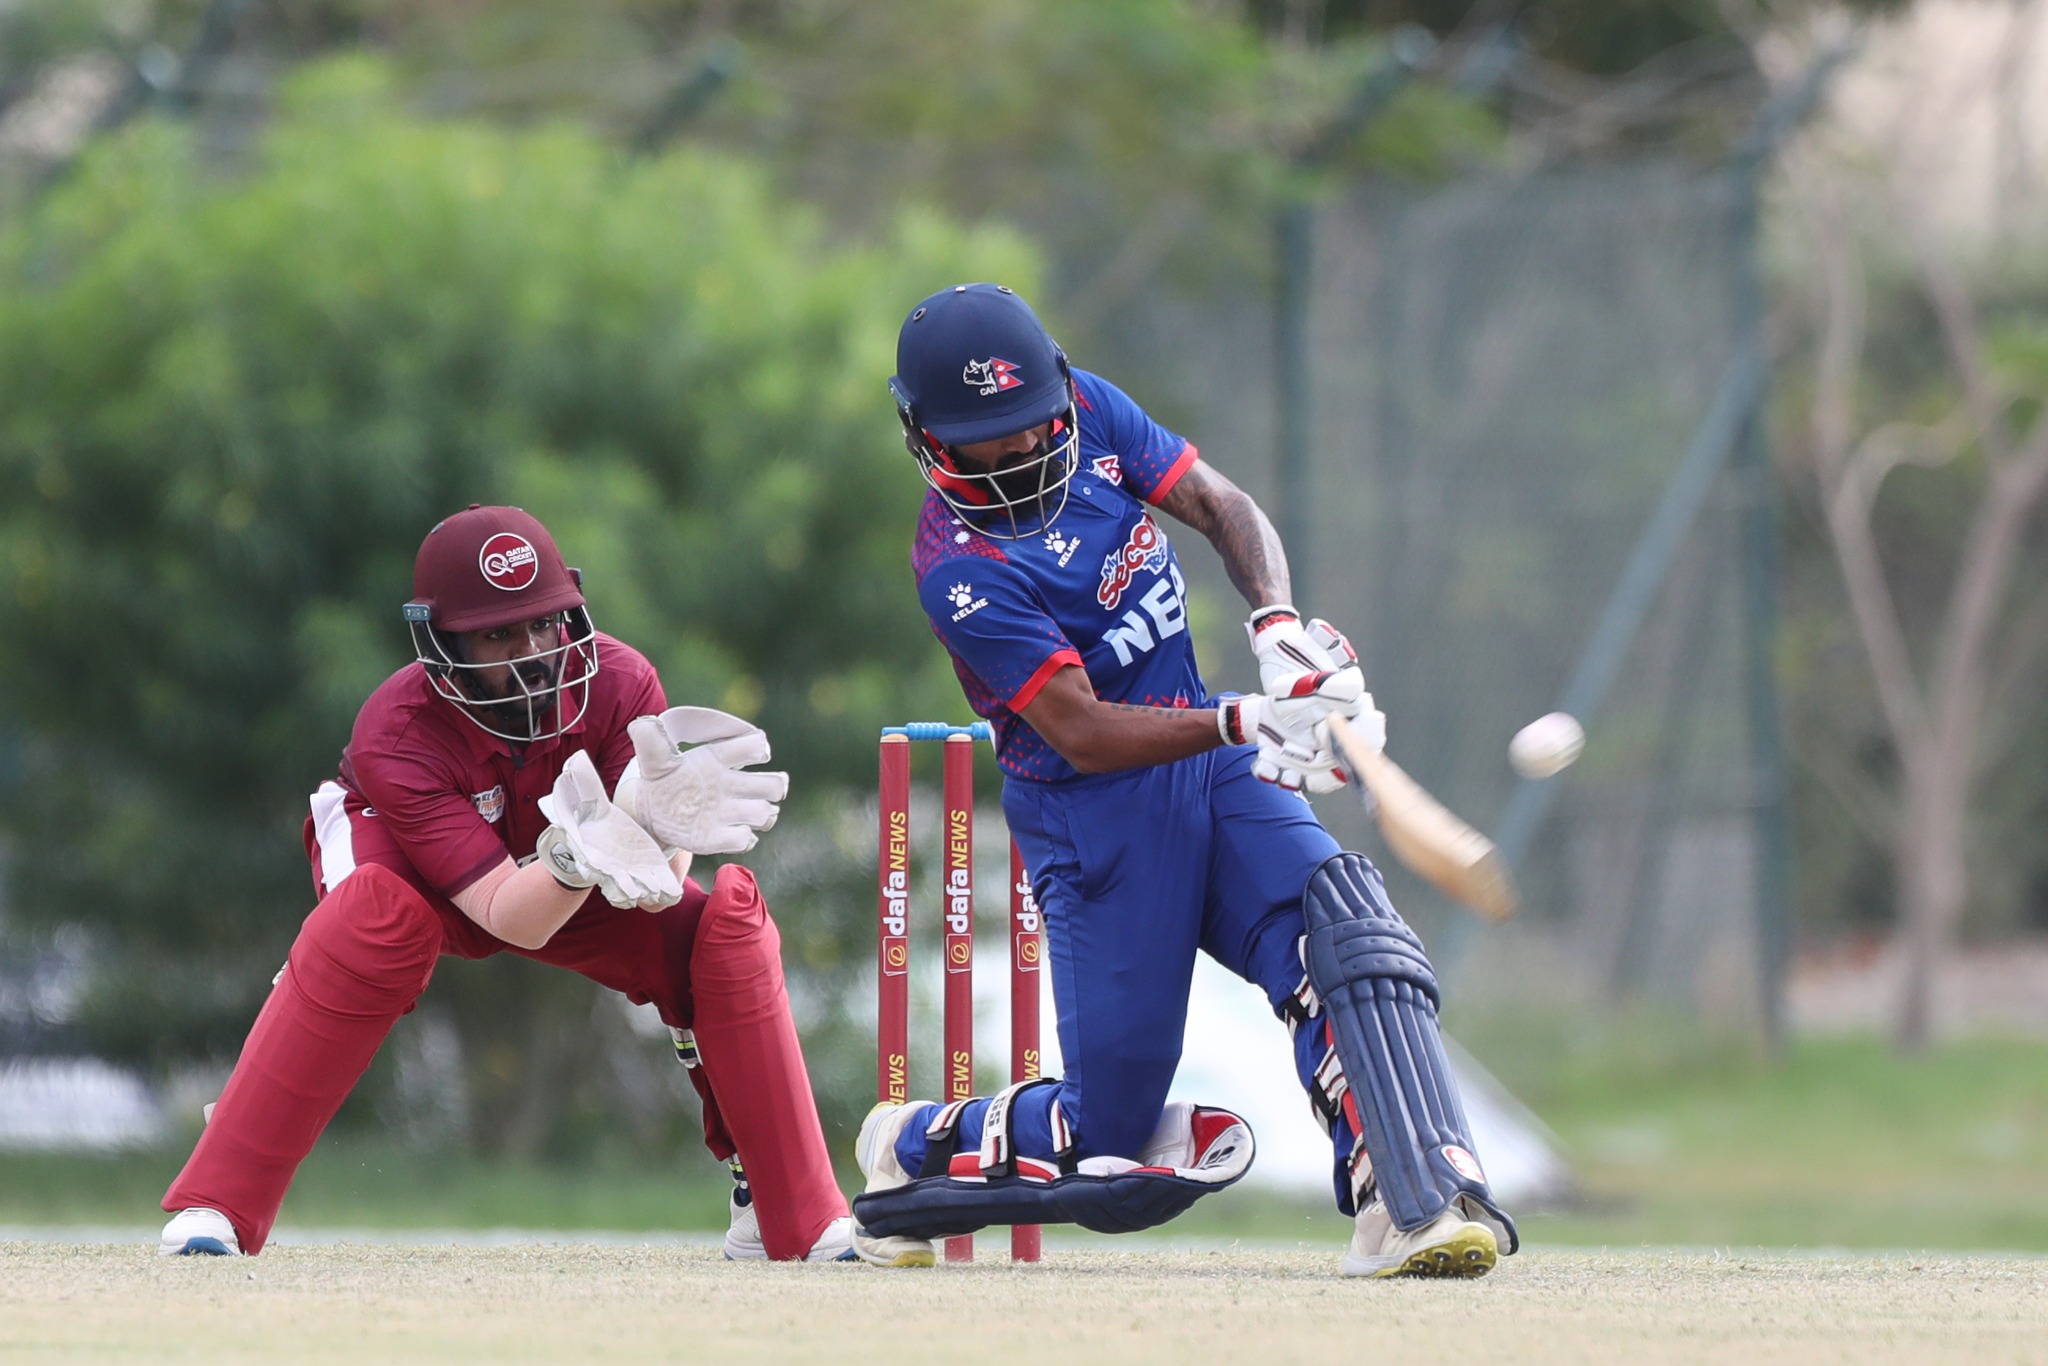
x: 1922, y: 364
x: 34, y: 33
x: 265, y: 364
x: 230, y: 408
x: 1592, y: 37
x: 1135, y: 138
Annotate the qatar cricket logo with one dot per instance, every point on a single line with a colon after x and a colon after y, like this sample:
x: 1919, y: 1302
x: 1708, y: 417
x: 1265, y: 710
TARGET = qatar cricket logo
x: 991, y: 376
x: 508, y: 561
x: 1146, y: 549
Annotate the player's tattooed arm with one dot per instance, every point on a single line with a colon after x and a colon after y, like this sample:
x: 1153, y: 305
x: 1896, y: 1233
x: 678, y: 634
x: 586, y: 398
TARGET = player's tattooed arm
x: 1101, y: 737
x: 1243, y: 535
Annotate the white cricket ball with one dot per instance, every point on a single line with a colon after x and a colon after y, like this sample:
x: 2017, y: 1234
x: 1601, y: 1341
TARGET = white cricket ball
x: 1546, y: 745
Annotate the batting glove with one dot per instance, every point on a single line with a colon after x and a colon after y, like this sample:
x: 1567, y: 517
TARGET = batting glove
x: 1309, y: 698
x: 1294, y: 748
x: 1339, y: 693
x: 1332, y: 642
x: 1286, y: 646
x: 700, y: 800
x: 590, y: 842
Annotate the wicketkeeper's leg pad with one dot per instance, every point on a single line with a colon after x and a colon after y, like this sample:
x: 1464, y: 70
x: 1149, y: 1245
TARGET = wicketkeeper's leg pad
x: 1386, y: 1073
x: 747, y: 1063
x: 360, y: 961
x: 1195, y: 1151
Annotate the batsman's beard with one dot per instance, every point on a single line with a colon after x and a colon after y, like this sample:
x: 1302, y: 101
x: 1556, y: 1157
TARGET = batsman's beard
x: 1027, y: 492
x: 1024, y: 479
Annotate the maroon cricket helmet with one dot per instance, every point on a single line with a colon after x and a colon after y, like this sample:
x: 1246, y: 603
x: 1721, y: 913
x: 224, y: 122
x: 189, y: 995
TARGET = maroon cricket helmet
x: 491, y: 566
x: 487, y: 567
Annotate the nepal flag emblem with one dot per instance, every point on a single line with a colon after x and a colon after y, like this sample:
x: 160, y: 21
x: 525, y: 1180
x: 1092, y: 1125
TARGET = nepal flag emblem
x: 991, y: 376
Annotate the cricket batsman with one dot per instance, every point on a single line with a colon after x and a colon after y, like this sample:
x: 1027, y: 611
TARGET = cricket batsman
x: 1156, y: 819
x: 523, y: 785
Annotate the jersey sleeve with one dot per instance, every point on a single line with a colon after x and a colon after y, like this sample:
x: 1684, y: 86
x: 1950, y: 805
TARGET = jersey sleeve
x: 988, y: 617
x: 1152, y: 458
x: 429, y: 816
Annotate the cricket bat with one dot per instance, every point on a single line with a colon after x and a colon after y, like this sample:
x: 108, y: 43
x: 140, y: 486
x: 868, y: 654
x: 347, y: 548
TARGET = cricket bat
x: 1456, y: 859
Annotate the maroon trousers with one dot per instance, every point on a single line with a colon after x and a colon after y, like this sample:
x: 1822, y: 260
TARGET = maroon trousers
x: 712, y: 964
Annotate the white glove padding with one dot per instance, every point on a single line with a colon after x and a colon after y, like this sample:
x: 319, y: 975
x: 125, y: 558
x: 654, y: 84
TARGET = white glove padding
x: 1368, y: 724
x: 1311, y: 697
x: 1332, y: 642
x: 700, y: 800
x: 1294, y: 745
x: 1286, y: 646
x: 590, y: 842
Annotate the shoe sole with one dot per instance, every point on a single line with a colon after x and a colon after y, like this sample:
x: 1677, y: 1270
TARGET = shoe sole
x: 894, y: 1251
x: 847, y: 1255
x: 198, y: 1247
x: 1466, y: 1255
x: 753, y: 1250
x: 868, y: 1151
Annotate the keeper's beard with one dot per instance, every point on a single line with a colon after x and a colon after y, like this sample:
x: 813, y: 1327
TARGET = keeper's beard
x: 518, y: 712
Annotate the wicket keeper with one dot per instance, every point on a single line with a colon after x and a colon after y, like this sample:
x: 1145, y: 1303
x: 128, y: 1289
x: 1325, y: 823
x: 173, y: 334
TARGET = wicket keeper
x: 523, y: 785
x: 1156, y: 819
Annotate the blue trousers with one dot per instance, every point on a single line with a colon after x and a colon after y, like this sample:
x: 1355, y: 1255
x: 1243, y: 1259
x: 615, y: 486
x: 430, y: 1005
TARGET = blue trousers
x: 1134, y: 871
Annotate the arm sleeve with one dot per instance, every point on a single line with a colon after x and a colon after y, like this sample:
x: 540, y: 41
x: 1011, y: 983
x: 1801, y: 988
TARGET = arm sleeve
x: 432, y: 820
x: 1152, y: 458
x: 988, y: 617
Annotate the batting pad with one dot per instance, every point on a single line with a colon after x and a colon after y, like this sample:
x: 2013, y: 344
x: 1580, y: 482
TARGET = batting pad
x: 1378, y: 998
x: 1195, y: 1151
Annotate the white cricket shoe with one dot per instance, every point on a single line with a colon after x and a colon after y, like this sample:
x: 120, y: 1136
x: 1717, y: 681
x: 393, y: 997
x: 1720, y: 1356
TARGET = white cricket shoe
x: 875, y: 1151
x: 199, y: 1232
x: 743, y: 1239
x: 1452, y: 1244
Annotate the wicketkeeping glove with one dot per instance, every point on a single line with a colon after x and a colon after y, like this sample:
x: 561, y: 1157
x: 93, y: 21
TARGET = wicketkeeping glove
x: 590, y: 842
x: 700, y: 800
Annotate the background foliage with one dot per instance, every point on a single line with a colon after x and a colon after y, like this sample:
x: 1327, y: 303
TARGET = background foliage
x: 322, y: 272
x: 326, y: 272
x: 235, y: 403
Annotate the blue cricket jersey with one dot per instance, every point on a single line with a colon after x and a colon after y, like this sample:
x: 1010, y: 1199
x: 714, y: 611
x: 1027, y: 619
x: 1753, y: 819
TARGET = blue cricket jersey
x: 1098, y: 587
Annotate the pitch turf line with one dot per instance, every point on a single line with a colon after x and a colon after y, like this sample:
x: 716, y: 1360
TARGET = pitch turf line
x: 388, y: 1303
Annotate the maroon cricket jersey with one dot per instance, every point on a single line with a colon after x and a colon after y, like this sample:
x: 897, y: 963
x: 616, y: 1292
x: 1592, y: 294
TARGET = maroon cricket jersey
x: 425, y: 792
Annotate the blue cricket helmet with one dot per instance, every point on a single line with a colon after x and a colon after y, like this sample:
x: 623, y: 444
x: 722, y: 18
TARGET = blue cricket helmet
x: 973, y: 363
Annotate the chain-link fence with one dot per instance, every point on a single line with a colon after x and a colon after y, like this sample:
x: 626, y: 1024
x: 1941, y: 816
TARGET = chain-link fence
x: 1504, y: 375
